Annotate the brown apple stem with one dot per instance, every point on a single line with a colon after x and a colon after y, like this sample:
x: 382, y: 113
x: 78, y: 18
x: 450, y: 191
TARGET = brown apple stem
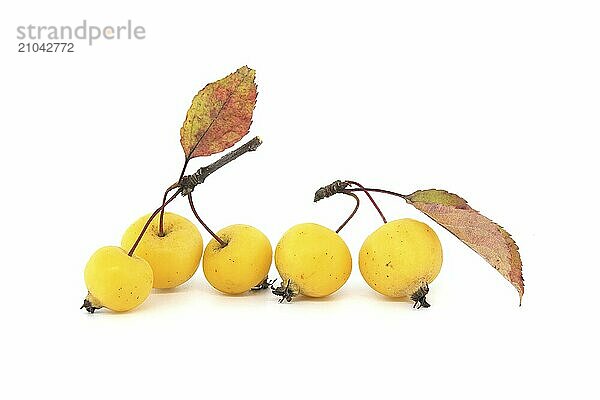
x: 185, y: 164
x: 353, y: 211
x: 154, y: 214
x: 187, y: 183
x: 342, y: 187
x: 218, y: 239
x: 161, y: 231
x: 366, y: 190
x: 370, y: 198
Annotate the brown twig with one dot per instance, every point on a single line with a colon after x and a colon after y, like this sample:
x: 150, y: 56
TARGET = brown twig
x: 189, y: 182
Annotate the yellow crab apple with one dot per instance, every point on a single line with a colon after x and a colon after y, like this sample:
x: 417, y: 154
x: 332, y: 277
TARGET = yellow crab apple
x: 174, y: 256
x: 242, y: 263
x: 116, y: 280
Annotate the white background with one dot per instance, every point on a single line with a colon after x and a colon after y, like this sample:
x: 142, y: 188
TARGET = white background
x: 495, y: 101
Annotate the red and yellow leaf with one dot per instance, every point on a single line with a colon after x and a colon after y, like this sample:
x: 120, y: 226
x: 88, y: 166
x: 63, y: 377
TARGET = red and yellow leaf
x: 220, y: 114
x: 485, y: 237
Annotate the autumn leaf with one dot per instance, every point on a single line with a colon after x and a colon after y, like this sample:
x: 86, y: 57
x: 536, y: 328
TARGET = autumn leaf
x: 220, y: 114
x: 481, y: 234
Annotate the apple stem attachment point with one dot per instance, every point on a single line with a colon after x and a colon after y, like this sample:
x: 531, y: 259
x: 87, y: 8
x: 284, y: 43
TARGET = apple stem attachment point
x: 90, y: 303
x: 161, y: 229
x: 214, y: 235
x: 287, y: 291
x: 265, y: 284
x: 187, y: 183
x: 154, y: 214
x: 419, y: 297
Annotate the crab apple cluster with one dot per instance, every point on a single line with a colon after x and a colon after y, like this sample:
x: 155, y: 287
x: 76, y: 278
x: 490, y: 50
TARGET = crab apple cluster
x: 120, y: 281
x: 399, y: 259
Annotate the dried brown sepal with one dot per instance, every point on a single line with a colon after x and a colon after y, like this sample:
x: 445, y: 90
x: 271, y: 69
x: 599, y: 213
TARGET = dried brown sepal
x: 91, y: 304
x: 265, y: 284
x: 286, y: 291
